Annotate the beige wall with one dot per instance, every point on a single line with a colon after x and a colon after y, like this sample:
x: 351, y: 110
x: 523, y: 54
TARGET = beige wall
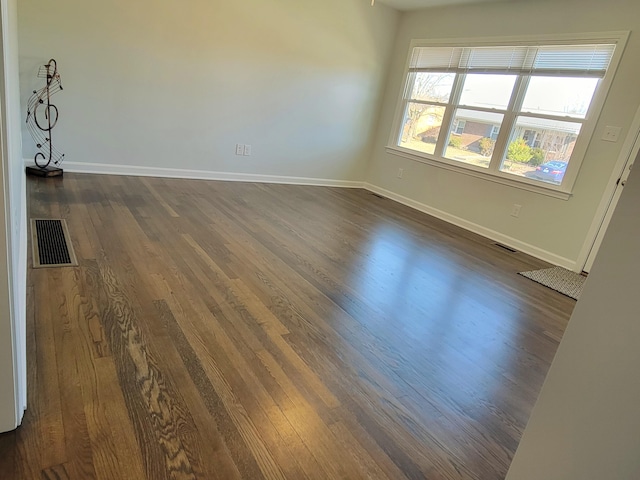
x: 586, y: 423
x: 555, y: 228
x: 163, y: 83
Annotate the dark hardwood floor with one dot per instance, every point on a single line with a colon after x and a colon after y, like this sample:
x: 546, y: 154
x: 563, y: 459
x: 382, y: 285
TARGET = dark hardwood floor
x: 233, y: 330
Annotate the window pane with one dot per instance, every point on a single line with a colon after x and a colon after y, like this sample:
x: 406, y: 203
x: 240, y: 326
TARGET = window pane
x: 488, y: 91
x: 560, y: 96
x: 433, y: 87
x: 470, y: 138
x: 541, y: 149
x: 421, y: 127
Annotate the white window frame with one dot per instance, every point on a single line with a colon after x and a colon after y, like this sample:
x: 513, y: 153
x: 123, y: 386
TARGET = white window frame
x: 563, y: 191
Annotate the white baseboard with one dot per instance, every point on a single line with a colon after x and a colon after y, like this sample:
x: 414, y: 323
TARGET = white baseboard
x: 475, y: 228
x: 108, y: 169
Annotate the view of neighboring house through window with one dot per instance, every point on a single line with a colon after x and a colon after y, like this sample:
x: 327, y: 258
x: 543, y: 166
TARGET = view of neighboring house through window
x: 459, y: 125
x: 495, y: 130
x: 511, y: 111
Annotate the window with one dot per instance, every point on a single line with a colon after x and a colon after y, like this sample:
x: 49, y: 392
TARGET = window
x: 459, y: 125
x: 508, y: 111
x: 495, y: 130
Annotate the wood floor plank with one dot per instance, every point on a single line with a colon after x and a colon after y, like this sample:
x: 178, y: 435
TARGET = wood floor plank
x: 240, y: 462
x: 27, y: 460
x: 233, y: 295
x: 8, y: 454
x: 237, y: 330
x: 164, y: 417
x: 71, y: 352
x: 208, y: 452
x: 114, y: 450
x: 57, y: 472
x: 266, y: 412
x: 47, y: 403
x: 270, y: 471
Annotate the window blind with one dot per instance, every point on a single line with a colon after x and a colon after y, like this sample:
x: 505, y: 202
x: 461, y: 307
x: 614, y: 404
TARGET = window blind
x: 548, y: 60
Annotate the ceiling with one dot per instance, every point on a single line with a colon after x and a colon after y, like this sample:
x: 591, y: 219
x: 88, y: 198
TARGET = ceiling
x: 415, y: 4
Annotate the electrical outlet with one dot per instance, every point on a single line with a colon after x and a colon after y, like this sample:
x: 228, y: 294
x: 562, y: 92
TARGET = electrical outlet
x: 515, y: 210
x: 247, y: 151
x: 239, y: 149
x: 400, y: 172
x: 611, y: 134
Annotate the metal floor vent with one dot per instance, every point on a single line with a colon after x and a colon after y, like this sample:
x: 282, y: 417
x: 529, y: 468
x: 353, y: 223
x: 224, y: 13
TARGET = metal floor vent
x: 51, y: 244
x: 505, y: 247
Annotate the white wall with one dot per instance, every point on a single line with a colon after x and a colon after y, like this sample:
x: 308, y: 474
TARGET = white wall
x: 12, y: 230
x: 552, y: 227
x: 162, y: 83
x: 586, y: 422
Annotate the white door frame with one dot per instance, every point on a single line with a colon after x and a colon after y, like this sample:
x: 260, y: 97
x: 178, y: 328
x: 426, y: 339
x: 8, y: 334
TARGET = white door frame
x: 13, y: 240
x: 8, y: 358
x: 600, y: 222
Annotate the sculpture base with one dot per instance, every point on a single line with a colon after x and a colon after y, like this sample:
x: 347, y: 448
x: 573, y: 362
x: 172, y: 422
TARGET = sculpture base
x: 44, y: 172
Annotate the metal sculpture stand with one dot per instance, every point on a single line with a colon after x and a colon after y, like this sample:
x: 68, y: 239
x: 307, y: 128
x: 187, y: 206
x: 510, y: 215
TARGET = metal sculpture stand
x: 42, y: 116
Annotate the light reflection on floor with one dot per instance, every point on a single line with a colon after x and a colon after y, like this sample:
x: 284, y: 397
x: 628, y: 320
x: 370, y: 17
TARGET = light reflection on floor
x: 438, y: 311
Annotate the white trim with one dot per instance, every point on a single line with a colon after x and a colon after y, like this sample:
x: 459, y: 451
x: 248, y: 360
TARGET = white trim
x: 15, y: 372
x: 475, y: 228
x: 108, y: 169
x: 105, y: 169
x: 549, y: 38
x: 629, y: 150
x: 488, y: 175
x: 21, y: 293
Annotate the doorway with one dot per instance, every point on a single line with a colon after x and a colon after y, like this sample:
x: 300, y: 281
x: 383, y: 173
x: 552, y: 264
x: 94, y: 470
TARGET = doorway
x: 629, y: 154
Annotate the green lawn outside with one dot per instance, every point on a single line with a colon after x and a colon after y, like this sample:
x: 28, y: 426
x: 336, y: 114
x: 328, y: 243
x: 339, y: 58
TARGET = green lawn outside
x: 469, y: 157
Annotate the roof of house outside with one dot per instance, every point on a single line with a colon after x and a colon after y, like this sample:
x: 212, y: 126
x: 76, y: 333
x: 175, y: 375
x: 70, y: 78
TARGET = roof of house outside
x: 534, y: 123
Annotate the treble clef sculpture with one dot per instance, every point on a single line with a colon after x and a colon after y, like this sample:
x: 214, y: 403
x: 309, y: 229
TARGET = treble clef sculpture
x: 42, y: 116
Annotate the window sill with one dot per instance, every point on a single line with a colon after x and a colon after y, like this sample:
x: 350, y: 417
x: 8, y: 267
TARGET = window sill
x: 485, y: 175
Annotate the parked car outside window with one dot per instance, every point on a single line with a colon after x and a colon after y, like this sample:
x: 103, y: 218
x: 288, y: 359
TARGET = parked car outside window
x: 551, y: 172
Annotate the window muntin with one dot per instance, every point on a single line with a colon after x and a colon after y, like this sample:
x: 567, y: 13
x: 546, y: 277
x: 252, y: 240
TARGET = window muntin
x: 525, y: 73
